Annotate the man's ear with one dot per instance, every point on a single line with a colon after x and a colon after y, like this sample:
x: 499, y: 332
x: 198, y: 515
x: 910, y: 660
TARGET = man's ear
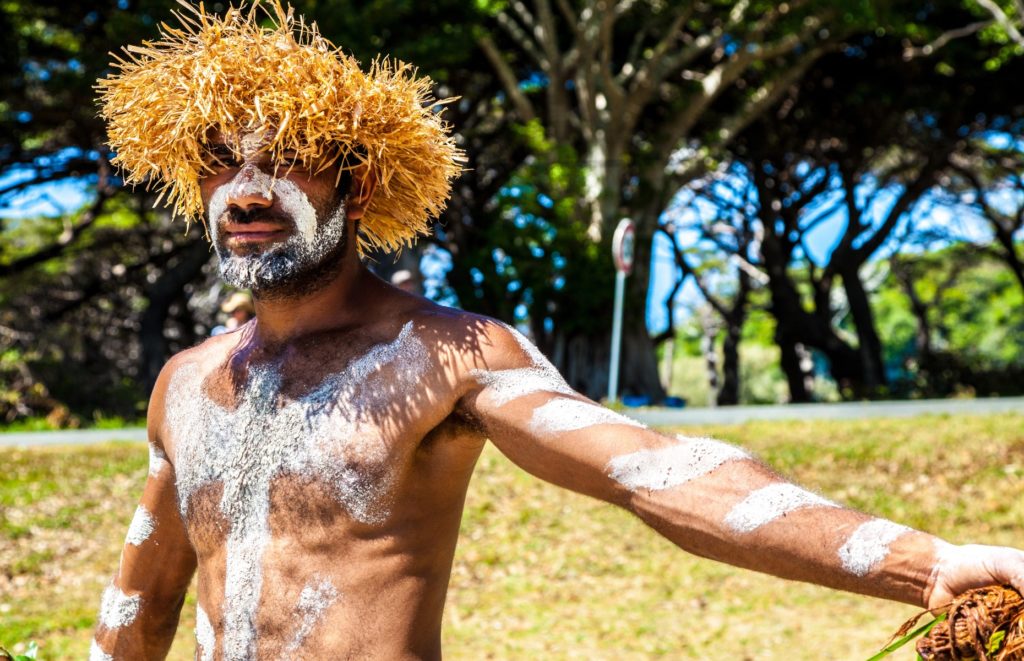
x: 364, y: 183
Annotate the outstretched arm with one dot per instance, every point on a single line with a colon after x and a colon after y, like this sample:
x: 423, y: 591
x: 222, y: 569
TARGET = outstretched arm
x: 140, y: 608
x: 710, y: 498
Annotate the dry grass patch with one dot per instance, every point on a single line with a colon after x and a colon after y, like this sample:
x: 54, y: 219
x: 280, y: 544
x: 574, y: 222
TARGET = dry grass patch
x: 543, y: 573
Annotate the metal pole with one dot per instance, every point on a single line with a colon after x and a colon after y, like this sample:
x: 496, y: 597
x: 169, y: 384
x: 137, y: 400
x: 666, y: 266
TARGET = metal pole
x: 613, y: 368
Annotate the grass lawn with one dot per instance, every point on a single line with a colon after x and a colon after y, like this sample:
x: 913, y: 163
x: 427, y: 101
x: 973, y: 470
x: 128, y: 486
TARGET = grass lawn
x: 545, y: 574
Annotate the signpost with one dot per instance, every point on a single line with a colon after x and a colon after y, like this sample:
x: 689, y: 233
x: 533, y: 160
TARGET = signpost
x: 622, y: 253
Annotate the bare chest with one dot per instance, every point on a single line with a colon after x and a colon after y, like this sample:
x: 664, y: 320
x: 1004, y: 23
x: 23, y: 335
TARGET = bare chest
x: 350, y: 431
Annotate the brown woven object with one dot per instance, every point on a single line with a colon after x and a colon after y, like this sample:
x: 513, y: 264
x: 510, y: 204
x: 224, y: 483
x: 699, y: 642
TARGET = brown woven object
x: 234, y: 74
x: 973, y: 618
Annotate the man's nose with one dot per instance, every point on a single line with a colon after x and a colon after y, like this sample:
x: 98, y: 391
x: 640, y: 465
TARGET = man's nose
x: 250, y: 189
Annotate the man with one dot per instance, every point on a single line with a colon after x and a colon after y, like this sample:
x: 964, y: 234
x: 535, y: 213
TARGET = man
x: 312, y: 465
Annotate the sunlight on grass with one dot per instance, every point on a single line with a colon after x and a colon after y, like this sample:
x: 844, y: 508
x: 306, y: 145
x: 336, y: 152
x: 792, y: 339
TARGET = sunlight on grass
x: 546, y: 574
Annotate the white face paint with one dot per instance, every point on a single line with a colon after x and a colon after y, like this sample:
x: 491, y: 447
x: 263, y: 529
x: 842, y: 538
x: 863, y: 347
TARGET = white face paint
x: 672, y: 466
x: 206, y: 640
x: 141, y: 528
x: 769, y: 503
x: 304, y: 250
x: 157, y: 460
x: 561, y: 415
x: 869, y: 544
x: 118, y: 609
x: 96, y: 653
x: 326, y: 434
x: 318, y: 595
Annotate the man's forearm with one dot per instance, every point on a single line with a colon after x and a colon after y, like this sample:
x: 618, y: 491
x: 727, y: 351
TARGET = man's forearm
x: 715, y: 500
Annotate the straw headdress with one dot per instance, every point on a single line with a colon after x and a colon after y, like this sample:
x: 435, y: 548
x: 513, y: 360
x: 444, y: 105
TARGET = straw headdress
x: 233, y: 74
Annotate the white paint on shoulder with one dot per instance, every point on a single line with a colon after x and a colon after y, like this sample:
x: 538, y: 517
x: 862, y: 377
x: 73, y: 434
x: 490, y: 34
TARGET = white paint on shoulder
x: 769, y: 503
x: 141, y: 528
x: 117, y: 609
x: 503, y: 386
x: 206, y: 639
x: 314, y: 600
x: 562, y: 414
x: 96, y: 652
x: 157, y: 460
x: 869, y: 544
x: 671, y: 466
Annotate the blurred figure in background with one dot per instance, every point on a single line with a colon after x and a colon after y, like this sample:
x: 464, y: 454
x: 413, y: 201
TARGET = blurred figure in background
x: 239, y: 309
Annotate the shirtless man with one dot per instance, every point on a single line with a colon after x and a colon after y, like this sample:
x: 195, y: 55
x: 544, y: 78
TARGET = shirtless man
x: 313, y: 464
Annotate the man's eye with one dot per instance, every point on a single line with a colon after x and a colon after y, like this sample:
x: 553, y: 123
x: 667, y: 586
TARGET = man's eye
x: 221, y: 155
x: 291, y: 160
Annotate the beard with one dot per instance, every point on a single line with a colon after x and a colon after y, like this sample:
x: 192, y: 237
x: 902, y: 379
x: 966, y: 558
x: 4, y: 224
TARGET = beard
x: 303, y: 263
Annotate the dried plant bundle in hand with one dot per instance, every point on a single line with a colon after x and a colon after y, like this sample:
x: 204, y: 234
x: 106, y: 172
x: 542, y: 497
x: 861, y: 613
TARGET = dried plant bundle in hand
x: 985, y: 624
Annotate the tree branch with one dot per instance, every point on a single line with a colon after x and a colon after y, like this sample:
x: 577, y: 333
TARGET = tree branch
x: 507, y: 77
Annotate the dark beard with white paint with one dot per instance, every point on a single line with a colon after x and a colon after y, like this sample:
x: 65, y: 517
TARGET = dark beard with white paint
x: 310, y: 258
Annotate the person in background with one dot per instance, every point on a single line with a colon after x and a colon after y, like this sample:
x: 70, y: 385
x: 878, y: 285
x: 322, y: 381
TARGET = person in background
x: 239, y: 309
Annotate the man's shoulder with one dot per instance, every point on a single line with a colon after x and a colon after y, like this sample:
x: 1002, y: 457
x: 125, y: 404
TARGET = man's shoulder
x: 211, y: 351
x: 469, y: 341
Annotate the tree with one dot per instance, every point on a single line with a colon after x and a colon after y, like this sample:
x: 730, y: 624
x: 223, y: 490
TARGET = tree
x: 627, y: 85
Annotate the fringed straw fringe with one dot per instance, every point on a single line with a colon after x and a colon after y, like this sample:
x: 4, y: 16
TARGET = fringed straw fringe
x: 231, y: 74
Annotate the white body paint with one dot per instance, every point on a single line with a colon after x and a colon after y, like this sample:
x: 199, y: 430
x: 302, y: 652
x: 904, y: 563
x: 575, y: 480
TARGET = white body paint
x: 319, y: 595
x: 503, y: 386
x: 769, y: 503
x: 326, y: 434
x: 157, y: 460
x: 308, y: 246
x: 672, y: 466
x: 141, y: 528
x: 96, y: 653
x: 561, y: 415
x: 118, y: 609
x: 206, y: 640
x: 869, y: 544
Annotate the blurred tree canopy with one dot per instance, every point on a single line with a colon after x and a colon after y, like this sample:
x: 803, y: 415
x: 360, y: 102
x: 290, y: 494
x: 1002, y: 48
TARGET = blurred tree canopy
x: 735, y: 130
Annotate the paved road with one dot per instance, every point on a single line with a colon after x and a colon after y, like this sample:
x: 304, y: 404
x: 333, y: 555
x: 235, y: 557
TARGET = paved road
x: 734, y: 415
x: 651, y: 416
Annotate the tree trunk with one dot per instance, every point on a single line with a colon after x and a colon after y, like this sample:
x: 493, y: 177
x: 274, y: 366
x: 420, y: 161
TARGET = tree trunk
x: 1010, y: 256
x: 791, y: 367
x: 161, y: 295
x: 729, y: 394
x: 870, y: 345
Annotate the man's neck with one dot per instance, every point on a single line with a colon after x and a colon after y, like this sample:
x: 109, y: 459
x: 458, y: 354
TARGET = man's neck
x: 340, y: 302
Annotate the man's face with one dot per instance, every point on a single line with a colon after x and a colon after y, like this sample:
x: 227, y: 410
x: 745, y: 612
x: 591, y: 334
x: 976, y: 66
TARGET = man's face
x: 279, y: 236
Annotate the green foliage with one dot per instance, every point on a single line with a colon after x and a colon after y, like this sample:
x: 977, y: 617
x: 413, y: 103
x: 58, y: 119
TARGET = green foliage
x: 30, y: 653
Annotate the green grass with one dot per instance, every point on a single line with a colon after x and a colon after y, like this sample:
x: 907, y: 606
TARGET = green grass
x: 545, y: 574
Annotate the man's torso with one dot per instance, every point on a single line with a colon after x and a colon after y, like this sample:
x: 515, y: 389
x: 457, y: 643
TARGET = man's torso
x: 321, y: 484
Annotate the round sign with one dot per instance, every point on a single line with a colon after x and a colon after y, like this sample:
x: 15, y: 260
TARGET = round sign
x: 622, y: 245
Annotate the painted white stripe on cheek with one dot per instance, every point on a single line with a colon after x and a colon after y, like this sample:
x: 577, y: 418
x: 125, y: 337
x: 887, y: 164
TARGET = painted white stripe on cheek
x: 118, y: 609
x: 869, y: 544
x: 769, y: 503
x: 216, y: 208
x: 564, y: 415
x: 295, y: 203
x: 672, y: 466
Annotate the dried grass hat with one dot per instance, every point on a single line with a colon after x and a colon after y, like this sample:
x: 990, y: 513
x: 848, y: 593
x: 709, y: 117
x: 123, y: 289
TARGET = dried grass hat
x: 233, y: 74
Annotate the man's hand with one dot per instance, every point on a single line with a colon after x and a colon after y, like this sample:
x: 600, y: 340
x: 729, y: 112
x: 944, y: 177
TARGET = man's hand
x: 962, y: 568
